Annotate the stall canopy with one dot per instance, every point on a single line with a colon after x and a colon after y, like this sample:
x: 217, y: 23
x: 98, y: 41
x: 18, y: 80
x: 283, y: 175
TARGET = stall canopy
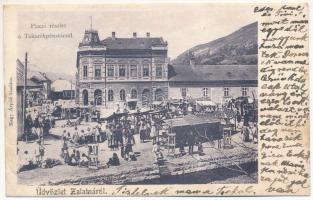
x: 142, y: 110
x: 116, y: 116
x: 190, y: 120
x: 250, y: 100
x: 176, y: 101
x: 204, y: 127
x: 66, y: 104
x: 158, y: 111
x: 245, y: 99
x: 206, y: 103
x: 157, y: 103
x: 105, y: 113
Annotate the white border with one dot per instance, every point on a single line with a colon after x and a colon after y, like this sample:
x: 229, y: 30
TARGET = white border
x: 2, y: 155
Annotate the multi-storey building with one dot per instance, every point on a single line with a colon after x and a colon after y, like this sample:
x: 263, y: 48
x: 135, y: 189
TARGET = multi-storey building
x: 115, y: 71
x: 136, y: 71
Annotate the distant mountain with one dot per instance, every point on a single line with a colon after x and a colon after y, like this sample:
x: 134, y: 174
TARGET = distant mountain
x: 56, y: 75
x: 240, y: 47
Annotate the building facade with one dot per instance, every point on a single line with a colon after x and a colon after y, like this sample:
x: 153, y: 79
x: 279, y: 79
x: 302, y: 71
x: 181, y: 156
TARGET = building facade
x: 121, y: 71
x: 216, y: 83
x: 62, y: 89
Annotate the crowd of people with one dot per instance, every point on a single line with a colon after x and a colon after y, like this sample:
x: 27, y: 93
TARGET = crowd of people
x: 119, y: 132
x: 37, y: 125
x: 118, y: 136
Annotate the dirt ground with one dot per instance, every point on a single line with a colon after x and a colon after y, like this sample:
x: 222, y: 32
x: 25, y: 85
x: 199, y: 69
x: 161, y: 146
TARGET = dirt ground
x: 62, y: 172
x: 146, y: 158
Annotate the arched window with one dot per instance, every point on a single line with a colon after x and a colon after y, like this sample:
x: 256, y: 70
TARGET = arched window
x: 146, y: 97
x: 133, y: 94
x: 122, y: 95
x: 98, y: 97
x: 110, y: 95
x: 159, y: 95
x: 85, y: 97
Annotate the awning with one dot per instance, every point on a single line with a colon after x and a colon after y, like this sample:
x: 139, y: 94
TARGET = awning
x: 141, y: 111
x: 145, y: 110
x: 190, y: 120
x: 175, y: 101
x: 206, y: 103
x: 245, y: 99
x: 157, y: 103
x: 132, y: 100
x: 158, y: 111
x: 105, y: 113
x: 67, y: 104
x: 250, y: 100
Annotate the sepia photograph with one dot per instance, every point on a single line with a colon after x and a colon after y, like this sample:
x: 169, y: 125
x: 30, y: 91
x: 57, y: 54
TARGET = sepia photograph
x: 122, y: 95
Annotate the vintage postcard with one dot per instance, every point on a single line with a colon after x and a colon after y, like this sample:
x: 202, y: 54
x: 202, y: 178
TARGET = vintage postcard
x: 157, y: 99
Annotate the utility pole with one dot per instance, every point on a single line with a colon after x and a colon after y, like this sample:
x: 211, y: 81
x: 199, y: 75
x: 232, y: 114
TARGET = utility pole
x: 71, y: 95
x: 90, y: 22
x: 24, y: 96
x: 105, y: 81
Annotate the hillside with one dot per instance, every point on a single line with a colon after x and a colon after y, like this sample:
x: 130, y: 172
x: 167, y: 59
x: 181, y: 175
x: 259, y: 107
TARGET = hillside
x: 54, y: 76
x: 240, y: 47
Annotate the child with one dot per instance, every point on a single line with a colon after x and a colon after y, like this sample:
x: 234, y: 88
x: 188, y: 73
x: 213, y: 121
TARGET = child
x: 84, y: 161
x: 200, y: 148
x: 114, y: 161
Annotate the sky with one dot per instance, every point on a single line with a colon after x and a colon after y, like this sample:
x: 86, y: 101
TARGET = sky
x: 182, y: 26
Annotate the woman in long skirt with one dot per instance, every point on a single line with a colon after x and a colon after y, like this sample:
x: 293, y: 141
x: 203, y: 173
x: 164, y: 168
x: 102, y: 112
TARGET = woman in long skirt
x: 142, y: 132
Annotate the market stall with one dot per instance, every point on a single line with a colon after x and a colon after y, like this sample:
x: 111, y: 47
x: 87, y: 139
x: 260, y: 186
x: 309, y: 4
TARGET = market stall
x: 202, y: 128
x: 205, y: 106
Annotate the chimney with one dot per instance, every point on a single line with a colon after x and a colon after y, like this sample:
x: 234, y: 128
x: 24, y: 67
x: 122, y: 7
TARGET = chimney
x: 113, y: 35
x: 148, y: 34
x: 134, y: 35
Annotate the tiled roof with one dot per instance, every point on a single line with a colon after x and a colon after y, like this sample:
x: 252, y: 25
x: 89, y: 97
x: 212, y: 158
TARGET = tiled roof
x: 132, y: 43
x: 214, y: 73
x: 31, y: 74
x: 30, y: 84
